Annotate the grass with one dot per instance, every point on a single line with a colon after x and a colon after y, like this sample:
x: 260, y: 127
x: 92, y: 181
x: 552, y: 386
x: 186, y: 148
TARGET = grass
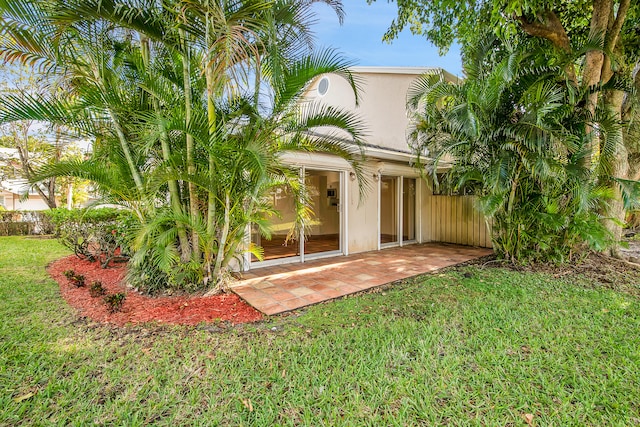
x: 466, y: 347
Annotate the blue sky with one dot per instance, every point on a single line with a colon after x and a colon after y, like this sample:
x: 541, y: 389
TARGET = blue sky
x: 360, y: 38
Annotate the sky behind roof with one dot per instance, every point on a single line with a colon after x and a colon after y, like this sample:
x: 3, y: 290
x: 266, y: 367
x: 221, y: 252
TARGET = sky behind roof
x: 360, y: 38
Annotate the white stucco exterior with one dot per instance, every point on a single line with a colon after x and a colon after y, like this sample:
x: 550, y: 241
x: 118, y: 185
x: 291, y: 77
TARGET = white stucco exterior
x: 12, y: 202
x: 382, y: 102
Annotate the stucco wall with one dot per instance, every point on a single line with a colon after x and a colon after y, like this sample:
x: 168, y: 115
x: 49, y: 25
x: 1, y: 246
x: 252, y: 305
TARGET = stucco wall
x: 362, y: 218
x: 382, y: 105
x: 362, y: 221
x: 6, y: 200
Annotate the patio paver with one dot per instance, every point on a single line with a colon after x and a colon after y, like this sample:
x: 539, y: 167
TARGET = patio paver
x: 277, y: 289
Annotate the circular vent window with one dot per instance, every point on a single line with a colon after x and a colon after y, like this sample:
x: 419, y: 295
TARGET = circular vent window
x: 323, y: 86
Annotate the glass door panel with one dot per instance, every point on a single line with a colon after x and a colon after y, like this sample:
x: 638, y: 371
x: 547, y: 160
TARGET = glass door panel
x: 323, y: 234
x: 282, y: 242
x: 408, y: 209
x: 388, y: 209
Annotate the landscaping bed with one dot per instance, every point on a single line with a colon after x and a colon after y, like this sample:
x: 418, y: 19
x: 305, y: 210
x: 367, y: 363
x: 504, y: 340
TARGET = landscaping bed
x: 138, y: 308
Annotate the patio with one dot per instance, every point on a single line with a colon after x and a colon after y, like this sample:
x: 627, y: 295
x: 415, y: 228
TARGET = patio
x: 278, y: 289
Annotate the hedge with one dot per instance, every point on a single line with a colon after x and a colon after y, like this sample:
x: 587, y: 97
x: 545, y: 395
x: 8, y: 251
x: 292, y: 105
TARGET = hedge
x: 20, y: 223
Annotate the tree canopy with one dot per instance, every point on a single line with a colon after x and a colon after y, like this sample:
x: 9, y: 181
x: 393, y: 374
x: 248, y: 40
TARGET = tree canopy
x: 595, y: 42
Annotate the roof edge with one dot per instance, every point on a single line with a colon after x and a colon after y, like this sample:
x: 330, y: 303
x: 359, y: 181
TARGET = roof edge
x: 406, y: 70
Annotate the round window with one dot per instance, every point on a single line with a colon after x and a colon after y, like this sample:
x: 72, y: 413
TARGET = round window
x: 323, y: 86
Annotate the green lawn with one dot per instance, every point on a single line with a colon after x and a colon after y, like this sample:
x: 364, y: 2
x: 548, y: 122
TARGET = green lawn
x: 465, y: 347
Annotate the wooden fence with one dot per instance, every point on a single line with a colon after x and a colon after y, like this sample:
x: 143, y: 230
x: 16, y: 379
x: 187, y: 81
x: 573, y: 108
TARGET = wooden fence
x: 454, y: 219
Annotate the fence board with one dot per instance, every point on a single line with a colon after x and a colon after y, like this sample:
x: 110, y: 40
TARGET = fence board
x: 454, y: 219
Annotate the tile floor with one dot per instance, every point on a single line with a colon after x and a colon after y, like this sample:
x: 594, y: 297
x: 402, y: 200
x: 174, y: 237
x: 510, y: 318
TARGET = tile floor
x: 282, y: 288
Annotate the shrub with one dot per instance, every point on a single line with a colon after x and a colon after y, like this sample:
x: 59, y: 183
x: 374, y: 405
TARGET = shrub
x: 145, y: 275
x: 18, y: 223
x: 114, y: 302
x: 75, y: 279
x: 97, y: 289
x: 100, y: 234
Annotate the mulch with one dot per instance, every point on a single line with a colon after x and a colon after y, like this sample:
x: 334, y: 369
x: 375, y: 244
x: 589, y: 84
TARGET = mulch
x: 139, y: 308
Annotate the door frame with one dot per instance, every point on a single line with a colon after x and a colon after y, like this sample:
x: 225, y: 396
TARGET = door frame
x: 399, y: 211
x: 302, y: 257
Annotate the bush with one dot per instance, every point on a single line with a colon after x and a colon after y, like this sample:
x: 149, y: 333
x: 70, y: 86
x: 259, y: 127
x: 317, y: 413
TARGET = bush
x: 146, y: 276
x: 74, y: 278
x: 114, y: 302
x: 97, y: 289
x: 95, y: 234
x: 21, y: 223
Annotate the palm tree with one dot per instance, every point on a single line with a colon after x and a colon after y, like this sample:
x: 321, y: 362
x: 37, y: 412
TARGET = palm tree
x: 180, y: 88
x: 518, y: 135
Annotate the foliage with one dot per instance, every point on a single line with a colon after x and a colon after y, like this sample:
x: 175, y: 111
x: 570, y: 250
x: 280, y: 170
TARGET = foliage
x: 444, y: 22
x: 518, y: 134
x: 595, y: 43
x: 114, y: 301
x: 471, y: 346
x: 24, y: 222
x: 96, y: 289
x: 191, y: 105
x: 34, y: 143
x: 95, y: 234
x: 14, y: 223
x: 77, y: 280
x: 145, y: 276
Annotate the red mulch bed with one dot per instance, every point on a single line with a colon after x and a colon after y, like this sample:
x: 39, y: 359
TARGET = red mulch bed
x: 138, y: 308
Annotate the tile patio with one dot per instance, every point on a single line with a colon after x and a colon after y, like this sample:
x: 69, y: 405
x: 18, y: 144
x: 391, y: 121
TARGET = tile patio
x: 278, y: 289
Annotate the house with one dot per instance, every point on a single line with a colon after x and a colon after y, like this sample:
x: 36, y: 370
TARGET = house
x: 17, y: 195
x: 399, y: 207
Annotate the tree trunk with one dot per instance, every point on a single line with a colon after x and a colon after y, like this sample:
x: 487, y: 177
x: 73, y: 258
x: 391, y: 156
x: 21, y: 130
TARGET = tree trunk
x: 191, y: 166
x: 616, y: 213
x: 222, y: 241
x: 614, y: 101
x: 211, y: 117
x: 70, y: 196
x: 23, y: 153
x: 127, y: 151
x: 174, y: 190
x: 592, y: 74
x: 634, y: 166
x: 548, y: 26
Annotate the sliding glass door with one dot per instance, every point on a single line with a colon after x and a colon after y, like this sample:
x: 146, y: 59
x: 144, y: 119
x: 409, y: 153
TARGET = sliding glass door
x: 408, y: 209
x: 284, y: 241
x: 388, y: 210
x: 397, y: 210
x: 322, y: 236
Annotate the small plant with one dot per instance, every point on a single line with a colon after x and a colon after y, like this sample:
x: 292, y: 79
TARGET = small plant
x: 97, y: 289
x: 114, y: 301
x: 75, y: 278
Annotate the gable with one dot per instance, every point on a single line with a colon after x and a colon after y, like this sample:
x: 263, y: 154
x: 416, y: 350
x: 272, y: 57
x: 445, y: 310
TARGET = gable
x: 382, y: 103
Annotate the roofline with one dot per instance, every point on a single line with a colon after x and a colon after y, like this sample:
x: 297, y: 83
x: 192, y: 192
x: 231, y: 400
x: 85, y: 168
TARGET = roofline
x: 406, y: 70
x: 386, y: 154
